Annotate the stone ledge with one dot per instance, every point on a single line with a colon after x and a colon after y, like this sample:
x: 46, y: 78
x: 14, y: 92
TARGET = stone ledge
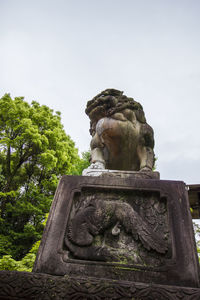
x: 121, y: 174
x: 23, y: 285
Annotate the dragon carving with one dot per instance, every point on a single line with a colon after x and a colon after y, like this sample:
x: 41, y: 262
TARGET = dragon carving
x: 98, y: 216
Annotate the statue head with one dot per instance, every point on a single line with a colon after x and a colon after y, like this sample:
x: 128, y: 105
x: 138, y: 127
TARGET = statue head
x: 109, y: 102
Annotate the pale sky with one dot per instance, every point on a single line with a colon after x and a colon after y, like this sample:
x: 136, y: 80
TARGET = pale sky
x: 62, y: 53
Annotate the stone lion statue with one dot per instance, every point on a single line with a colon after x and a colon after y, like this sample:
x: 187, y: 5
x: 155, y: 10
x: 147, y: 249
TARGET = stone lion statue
x: 121, y: 138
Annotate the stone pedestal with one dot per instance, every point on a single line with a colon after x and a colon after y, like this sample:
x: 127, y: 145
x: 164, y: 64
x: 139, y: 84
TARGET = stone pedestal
x: 124, y: 229
x: 34, y: 286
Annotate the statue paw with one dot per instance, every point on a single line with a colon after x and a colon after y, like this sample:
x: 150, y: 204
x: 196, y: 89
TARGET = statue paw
x: 106, y: 254
x: 97, y: 165
x: 94, y: 169
x: 146, y: 169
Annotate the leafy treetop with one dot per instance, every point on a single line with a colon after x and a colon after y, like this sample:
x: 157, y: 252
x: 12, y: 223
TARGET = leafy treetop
x: 34, y: 152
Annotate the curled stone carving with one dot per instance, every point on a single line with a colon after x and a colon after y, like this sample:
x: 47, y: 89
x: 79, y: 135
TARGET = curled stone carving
x: 112, y: 230
x: 121, y: 137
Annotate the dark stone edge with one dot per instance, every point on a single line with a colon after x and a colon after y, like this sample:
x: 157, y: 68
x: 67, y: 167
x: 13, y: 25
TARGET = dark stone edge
x: 23, y: 285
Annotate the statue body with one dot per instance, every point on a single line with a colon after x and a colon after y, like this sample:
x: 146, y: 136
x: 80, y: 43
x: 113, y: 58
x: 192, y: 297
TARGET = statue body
x: 121, y: 138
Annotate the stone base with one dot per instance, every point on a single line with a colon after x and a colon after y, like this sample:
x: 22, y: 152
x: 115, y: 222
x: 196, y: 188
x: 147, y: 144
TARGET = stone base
x: 162, y: 251
x: 121, y: 174
x: 22, y: 285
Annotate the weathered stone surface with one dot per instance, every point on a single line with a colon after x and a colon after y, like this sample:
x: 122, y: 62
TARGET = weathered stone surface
x: 121, y: 229
x: 21, y: 285
x: 121, y: 138
x: 121, y: 174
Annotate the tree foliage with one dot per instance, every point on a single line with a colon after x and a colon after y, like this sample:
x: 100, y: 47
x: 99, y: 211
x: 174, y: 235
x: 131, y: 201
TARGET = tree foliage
x: 82, y: 163
x: 34, y: 152
x: 26, y: 264
x: 196, y: 227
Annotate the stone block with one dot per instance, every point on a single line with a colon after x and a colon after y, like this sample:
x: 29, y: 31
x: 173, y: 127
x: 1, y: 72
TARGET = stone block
x: 135, y: 230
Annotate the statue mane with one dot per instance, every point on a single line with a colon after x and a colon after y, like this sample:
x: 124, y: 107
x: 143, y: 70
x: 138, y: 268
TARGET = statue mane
x: 110, y: 102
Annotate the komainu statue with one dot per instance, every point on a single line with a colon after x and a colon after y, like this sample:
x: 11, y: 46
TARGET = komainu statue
x: 121, y: 138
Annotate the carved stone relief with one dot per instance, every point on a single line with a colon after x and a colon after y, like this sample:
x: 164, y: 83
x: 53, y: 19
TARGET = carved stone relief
x: 119, y: 227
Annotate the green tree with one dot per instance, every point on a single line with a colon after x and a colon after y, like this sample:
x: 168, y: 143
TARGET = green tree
x: 196, y: 227
x: 26, y: 264
x: 82, y: 163
x: 34, y: 152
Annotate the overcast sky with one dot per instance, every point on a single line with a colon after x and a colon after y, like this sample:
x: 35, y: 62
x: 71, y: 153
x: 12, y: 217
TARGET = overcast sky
x: 62, y: 53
